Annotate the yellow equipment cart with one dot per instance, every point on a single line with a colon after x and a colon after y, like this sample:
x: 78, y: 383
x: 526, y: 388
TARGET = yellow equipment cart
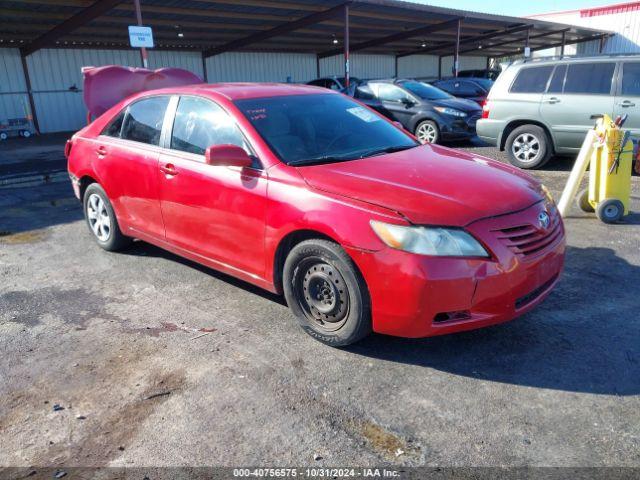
x: 610, y: 166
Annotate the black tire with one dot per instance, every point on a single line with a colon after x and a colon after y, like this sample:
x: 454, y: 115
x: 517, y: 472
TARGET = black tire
x: 610, y: 210
x: 536, y: 143
x: 340, y: 312
x: 430, y: 126
x: 114, y: 240
x: 582, y: 200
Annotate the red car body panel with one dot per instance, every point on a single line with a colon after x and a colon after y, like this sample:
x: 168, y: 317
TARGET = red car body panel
x: 234, y: 219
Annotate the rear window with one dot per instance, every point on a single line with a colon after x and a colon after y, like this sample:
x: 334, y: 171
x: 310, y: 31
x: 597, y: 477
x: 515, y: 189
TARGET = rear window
x: 631, y: 79
x: 532, y: 80
x: 590, y: 78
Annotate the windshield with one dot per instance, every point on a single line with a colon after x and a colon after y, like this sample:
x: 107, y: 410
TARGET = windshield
x: 322, y: 128
x: 425, y: 91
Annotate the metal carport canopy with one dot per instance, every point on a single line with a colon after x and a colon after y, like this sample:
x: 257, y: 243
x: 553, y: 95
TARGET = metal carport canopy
x: 216, y: 26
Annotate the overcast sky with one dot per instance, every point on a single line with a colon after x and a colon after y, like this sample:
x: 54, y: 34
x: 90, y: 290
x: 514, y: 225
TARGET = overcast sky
x: 517, y: 8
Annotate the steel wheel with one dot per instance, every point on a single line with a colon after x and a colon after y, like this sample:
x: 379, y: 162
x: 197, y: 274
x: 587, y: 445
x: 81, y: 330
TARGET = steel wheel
x: 526, y: 148
x: 427, y: 132
x: 98, y: 217
x: 322, y: 294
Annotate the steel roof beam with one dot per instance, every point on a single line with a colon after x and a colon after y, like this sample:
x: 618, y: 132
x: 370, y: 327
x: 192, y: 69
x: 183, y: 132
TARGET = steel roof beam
x: 276, y: 31
x: 464, y: 41
x: 393, y: 38
x: 98, y: 8
x: 522, y: 39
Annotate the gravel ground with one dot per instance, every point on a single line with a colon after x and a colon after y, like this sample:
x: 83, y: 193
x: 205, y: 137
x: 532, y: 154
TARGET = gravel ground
x: 153, y: 360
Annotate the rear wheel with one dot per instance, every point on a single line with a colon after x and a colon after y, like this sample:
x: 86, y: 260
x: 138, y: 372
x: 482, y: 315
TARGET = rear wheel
x: 101, y: 219
x: 528, y: 147
x: 582, y: 200
x: 327, y: 293
x: 428, y: 132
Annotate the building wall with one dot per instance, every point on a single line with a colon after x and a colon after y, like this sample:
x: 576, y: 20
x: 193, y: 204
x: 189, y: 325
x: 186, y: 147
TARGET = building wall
x: 361, y: 65
x: 418, y: 66
x: 191, y: 61
x: 261, y: 67
x: 466, y: 63
x: 14, y: 101
x: 626, y: 24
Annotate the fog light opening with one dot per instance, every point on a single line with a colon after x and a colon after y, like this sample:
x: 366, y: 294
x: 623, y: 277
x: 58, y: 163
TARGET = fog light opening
x: 443, y: 317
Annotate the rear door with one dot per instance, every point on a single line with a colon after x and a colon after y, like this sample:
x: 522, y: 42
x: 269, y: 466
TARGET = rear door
x: 628, y: 96
x: 577, y: 91
x: 127, y: 155
x: 217, y: 212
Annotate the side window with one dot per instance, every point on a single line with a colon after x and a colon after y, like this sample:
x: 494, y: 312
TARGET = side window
x: 333, y: 85
x: 115, y: 127
x: 391, y: 93
x: 364, y: 92
x: 556, y: 85
x: 143, y: 121
x: 447, y: 86
x: 200, y: 123
x: 631, y: 79
x: 591, y: 78
x: 531, y: 80
x: 318, y: 83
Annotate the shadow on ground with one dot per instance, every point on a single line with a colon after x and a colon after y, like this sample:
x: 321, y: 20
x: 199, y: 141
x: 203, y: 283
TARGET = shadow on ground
x: 583, y: 338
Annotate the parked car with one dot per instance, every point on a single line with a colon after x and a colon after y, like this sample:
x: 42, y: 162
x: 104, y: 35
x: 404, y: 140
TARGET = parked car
x: 488, y: 73
x: 476, y: 89
x: 428, y: 112
x: 540, y: 107
x: 309, y: 193
x: 333, y: 83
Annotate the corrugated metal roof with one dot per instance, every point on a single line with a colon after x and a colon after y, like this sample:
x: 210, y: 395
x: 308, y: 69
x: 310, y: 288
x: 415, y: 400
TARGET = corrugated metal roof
x: 211, y: 23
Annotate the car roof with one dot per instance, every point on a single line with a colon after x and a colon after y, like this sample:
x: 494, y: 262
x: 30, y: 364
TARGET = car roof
x: 243, y: 91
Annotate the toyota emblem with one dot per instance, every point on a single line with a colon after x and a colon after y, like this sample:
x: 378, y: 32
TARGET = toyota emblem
x: 544, y: 220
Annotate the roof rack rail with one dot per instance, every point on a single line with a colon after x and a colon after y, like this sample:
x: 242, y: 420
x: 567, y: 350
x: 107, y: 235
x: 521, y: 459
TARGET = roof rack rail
x: 579, y: 56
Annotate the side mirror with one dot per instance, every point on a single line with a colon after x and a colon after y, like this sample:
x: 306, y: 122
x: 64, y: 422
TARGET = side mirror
x: 407, y: 102
x: 228, y: 156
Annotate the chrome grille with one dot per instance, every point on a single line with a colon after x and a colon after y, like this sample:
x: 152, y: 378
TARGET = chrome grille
x: 529, y: 239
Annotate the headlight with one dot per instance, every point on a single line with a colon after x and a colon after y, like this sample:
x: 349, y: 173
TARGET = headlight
x: 450, y: 111
x: 444, y: 242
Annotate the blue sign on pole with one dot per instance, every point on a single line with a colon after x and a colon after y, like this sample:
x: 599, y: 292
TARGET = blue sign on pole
x: 140, y: 36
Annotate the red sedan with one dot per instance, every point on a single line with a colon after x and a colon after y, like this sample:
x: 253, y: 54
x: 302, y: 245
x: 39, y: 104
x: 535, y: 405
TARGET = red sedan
x: 306, y: 192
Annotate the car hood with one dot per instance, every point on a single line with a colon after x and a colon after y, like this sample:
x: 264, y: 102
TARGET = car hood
x: 429, y: 185
x: 462, y: 104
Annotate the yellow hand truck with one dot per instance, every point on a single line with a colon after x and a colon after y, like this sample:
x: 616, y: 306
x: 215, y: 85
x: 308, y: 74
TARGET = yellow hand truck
x: 608, y: 151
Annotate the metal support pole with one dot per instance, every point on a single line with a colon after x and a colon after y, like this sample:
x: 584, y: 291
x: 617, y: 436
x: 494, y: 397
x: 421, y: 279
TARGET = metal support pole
x: 440, y: 67
x: 143, y: 51
x: 32, y: 105
x: 396, y: 66
x: 204, y: 68
x: 317, y: 66
x: 488, y: 63
x: 563, y: 44
x: 456, y: 57
x: 602, y: 41
x: 527, y: 51
x: 346, y: 46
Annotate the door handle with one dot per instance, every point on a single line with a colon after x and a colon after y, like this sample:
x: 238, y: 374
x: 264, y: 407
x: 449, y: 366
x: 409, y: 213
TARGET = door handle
x: 627, y: 103
x: 101, y: 151
x: 553, y: 100
x: 169, y: 169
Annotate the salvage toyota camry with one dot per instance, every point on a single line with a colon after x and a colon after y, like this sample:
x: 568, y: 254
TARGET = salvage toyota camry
x: 306, y: 192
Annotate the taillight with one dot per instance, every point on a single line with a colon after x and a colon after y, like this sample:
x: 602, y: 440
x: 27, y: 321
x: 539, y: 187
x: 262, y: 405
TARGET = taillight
x: 485, y: 109
x: 67, y: 148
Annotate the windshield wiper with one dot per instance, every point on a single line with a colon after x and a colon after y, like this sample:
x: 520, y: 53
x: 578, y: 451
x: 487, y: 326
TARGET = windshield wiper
x: 319, y: 160
x: 382, y: 151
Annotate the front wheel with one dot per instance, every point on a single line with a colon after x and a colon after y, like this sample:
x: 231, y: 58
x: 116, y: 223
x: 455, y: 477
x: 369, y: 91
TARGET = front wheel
x: 610, y: 210
x: 528, y: 147
x: 327, y: 293
x: 102, y: 220
x: 428, y: 132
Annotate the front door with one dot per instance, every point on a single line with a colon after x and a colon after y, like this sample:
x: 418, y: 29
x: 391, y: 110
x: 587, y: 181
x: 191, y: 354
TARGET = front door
x: 576, y: 92
x: 217, y: 212
x: 128, y: 152
x: 396, y: 101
